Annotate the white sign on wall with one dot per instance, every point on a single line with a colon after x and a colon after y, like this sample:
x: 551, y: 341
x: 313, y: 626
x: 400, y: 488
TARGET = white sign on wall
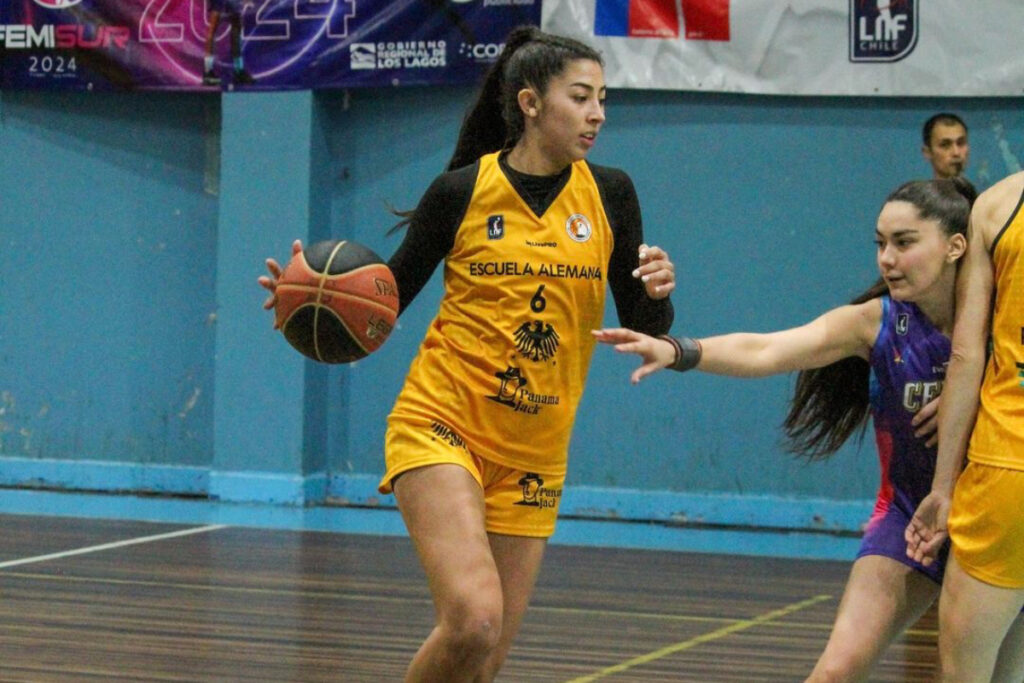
x: 803, y: 47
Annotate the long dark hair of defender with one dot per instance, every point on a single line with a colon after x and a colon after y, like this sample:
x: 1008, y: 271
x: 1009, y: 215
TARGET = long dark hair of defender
x: 831, y: 403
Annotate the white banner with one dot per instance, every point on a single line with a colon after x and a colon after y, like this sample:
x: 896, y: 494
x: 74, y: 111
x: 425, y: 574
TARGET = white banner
x: 803, y: 47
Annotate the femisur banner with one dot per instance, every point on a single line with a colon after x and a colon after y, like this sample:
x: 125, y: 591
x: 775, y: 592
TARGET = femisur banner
x: 803, y: 47
x: 251, y: 44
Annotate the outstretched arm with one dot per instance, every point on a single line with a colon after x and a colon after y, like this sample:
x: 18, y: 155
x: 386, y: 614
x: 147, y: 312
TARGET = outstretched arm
x: 844, y: 331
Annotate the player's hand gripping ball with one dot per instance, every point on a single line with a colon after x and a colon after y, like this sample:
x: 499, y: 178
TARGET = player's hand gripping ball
x: 337, y: 301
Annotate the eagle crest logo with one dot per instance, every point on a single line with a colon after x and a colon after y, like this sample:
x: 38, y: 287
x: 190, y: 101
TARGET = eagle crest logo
x: 537, y: 341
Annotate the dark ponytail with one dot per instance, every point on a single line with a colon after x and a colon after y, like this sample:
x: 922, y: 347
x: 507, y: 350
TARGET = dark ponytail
x: 483, y: 128
x: 831, y: 403
x: 530, y: 59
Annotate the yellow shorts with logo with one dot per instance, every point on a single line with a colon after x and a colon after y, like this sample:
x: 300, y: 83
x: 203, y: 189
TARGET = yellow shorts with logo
x: 517, y: 503
x: 986, y: 524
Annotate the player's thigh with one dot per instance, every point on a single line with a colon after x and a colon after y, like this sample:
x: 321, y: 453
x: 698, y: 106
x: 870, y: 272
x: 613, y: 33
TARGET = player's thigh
x: 518, y: 559
x: 882, y: 598
x: 443, y: 509
x: 1010, y: 665
x: 974, y: 618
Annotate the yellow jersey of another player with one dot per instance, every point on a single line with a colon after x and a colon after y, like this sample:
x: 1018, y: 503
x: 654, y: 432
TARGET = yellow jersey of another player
x: 503, y: 364
x: 998, y: 437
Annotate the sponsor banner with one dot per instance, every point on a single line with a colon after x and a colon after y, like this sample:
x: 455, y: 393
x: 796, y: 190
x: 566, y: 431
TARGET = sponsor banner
x: 251, y: 44
x: 803, y: 47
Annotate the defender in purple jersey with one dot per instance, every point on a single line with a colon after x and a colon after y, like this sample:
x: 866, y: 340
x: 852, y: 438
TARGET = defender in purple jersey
x: 885, y: 355
x: 908, y: 364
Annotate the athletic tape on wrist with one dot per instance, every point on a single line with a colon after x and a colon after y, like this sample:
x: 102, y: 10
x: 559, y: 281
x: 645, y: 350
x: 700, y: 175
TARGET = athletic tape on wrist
x: 688, y: 352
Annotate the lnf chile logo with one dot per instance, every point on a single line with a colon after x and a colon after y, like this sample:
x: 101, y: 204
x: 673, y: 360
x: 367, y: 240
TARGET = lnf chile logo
x: 57, y: 4
x: 882, y: 30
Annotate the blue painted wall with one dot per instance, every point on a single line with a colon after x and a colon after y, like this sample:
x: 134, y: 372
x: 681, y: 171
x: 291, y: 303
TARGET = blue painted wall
x: 107, y: 272
x: 767, y: 206
x: 134, y: 354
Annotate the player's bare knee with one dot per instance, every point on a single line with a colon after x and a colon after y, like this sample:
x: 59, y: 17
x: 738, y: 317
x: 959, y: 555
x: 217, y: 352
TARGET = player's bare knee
x: 473, y: 624
x: 475, y: 634
x: 839, y: 672
x: 839, y: 667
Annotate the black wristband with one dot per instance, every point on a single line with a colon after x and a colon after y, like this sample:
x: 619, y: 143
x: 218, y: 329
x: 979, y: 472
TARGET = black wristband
x: 688, y: 352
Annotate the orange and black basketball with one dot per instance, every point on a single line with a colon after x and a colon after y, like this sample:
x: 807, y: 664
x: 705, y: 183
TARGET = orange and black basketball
x: 337, y: 301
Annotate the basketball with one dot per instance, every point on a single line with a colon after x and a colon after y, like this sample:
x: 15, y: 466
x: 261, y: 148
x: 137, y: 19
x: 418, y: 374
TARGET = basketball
x: 337, y: 301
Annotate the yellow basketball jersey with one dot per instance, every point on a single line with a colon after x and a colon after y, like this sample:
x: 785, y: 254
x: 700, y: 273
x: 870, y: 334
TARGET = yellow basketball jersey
x: 998, y: 437
x: 504, y: 363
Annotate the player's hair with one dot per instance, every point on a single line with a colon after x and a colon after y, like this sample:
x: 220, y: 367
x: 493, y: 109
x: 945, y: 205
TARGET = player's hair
x: 530, y: 59
x: 494, y: 121
x: 946, y: 118
x: 831, y: 403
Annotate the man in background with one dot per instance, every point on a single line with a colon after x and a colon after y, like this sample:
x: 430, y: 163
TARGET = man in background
x: 945, y: 144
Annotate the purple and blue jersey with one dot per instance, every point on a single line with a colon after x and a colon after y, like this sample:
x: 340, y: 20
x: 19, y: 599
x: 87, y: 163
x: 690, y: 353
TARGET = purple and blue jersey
x: 908, y: 365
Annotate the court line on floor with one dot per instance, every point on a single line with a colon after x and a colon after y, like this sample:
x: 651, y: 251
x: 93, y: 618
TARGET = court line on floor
x: 701, y: 639
x: 405, y: 600
x: 111, y: 546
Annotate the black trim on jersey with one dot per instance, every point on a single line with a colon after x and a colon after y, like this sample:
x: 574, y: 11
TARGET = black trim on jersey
x: 430, y: 236
x: 1013, y: 214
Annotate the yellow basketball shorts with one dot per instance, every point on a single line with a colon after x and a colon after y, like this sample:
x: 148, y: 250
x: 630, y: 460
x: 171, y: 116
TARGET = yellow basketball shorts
x: 516, y: 502
x: 986, y: 524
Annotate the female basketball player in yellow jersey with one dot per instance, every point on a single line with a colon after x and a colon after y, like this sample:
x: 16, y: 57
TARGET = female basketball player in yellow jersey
x: 531, y: 236
x: 984, y: 588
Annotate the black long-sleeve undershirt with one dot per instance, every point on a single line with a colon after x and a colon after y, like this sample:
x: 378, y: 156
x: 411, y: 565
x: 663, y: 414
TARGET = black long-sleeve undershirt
x: 430, y: 235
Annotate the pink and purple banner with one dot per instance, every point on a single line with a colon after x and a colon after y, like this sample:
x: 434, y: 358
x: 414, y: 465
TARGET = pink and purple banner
x: 251, y: 44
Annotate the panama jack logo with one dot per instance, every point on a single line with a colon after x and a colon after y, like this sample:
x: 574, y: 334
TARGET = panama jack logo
x: 534, y: 493
x: 537, y: 341
x: 512, y: 392
x: 882, y: 30
x: 495, y: 227
x: 512, y: 381
x: 578, y: 227
x: 902, y: 324
x: 446, y: 434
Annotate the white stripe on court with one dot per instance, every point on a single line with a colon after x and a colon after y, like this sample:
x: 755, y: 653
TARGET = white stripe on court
x: 110, y: 546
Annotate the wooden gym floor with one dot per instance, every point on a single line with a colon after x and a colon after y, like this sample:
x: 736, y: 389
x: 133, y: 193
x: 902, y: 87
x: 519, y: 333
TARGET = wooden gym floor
x: 105, y: 600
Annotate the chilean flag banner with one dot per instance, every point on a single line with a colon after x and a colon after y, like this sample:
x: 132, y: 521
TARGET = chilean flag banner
x: 948, y: 48
x: 703, y: 19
